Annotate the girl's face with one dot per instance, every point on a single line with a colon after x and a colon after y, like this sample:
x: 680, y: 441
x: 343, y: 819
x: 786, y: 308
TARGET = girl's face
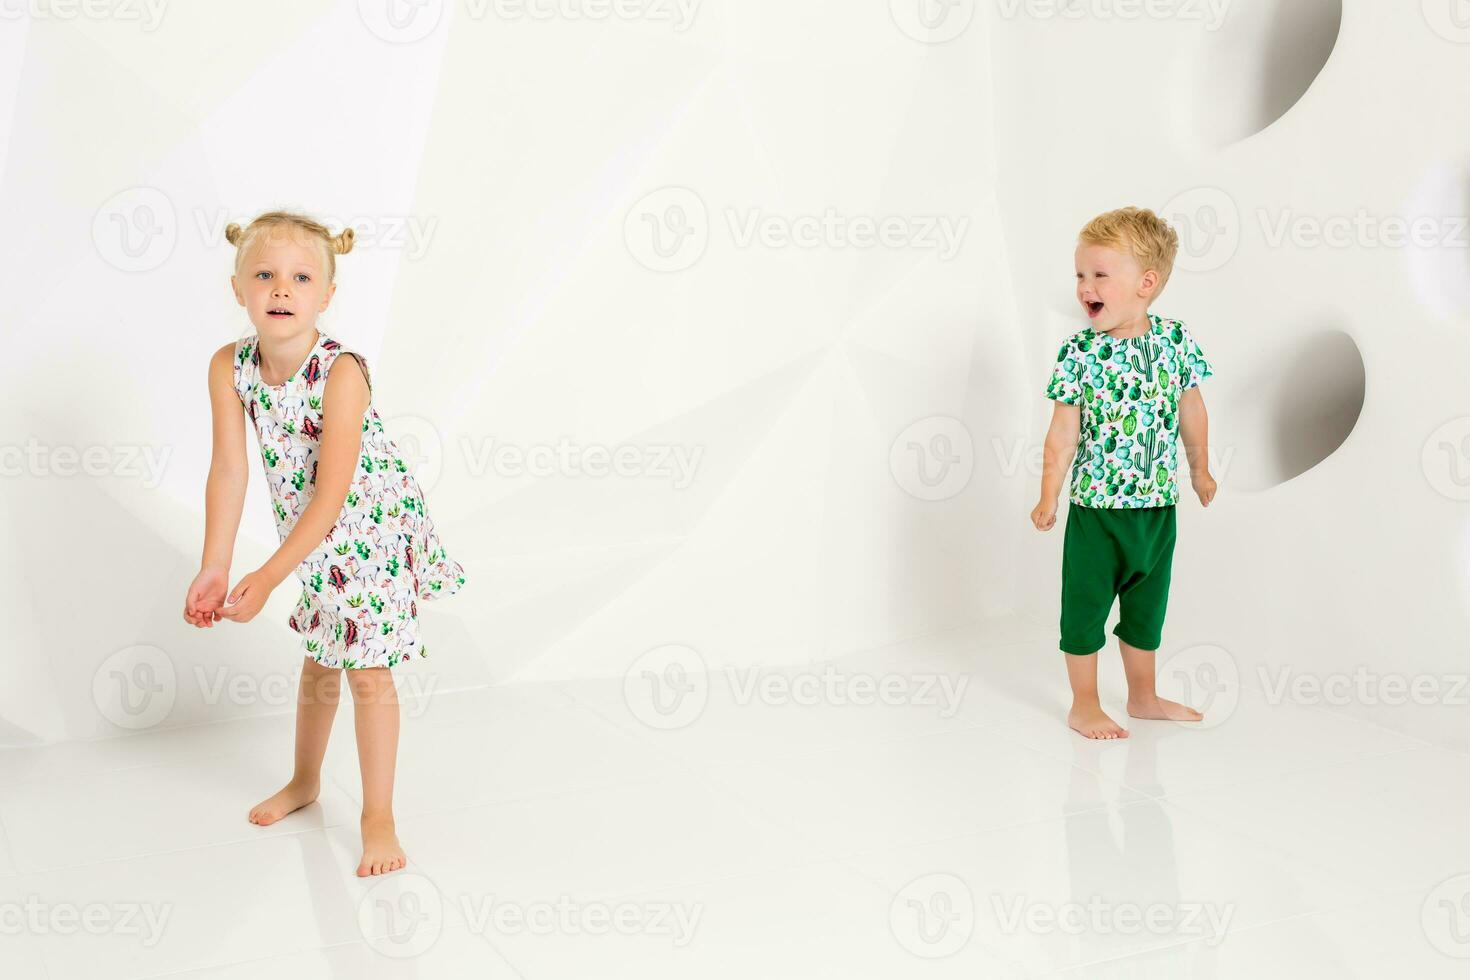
x: 283, y: 284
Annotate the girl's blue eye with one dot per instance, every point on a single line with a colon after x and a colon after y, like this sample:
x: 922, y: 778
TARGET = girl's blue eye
x: 303, y: 277
x: 262, y: 273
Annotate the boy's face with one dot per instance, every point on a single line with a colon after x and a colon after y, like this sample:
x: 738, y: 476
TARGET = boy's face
x: 1111, y: 286
x: 282, y: 283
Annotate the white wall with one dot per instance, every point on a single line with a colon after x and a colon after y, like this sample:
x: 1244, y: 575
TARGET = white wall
x: 1337, y: 542
x: 508, y: 177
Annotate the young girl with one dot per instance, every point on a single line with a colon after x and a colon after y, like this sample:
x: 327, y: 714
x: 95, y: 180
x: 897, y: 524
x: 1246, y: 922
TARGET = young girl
x: 351, y: 517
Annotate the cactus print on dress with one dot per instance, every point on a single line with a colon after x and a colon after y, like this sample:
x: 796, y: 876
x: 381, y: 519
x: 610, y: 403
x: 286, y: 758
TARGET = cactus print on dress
x: 1128, y: 391
x: 361, y: 586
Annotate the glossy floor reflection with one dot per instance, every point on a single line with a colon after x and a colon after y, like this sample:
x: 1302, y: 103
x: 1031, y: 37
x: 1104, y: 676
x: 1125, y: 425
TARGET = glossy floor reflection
x: 916, y: 811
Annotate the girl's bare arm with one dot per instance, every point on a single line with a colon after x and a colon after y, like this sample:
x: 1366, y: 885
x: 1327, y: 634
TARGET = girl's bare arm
x: 229, y: 472
x: 345, y: 400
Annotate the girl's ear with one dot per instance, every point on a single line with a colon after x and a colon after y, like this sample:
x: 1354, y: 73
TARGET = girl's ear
x: 235, y: 288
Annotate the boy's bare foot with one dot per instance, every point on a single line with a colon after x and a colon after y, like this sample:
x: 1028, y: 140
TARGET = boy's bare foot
x: 1091, y: 721
x: 295, y: 795
x: 1162, y: 709
x: 381, y: 852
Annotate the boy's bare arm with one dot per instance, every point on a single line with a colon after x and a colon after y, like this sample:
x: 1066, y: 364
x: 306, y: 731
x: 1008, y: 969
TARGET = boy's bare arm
x: 1194, y: 432
x: 1056, y: 458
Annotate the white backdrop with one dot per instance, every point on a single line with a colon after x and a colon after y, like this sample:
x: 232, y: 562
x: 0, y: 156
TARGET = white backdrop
x: 800, y: 269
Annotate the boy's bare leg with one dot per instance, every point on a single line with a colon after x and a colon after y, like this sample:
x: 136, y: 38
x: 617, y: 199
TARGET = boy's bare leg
x: 376, y: 700
x: 1143, y: 696
x: 1087, y: 716
x: 317, y: 695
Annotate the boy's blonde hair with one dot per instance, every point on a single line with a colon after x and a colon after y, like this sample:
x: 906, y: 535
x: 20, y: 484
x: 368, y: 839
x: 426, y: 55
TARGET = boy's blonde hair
x: 244, y: 239
x: 1140, y: 233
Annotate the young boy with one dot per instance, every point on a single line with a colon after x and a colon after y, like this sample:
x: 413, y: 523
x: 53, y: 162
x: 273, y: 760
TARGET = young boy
x: 1129, y: 385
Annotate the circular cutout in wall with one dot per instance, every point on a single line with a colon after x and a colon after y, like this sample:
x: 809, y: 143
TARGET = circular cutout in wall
x: 1261, y: 60
x: 1301, y: 411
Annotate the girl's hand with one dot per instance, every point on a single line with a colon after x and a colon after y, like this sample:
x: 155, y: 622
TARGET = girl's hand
x: 205, y: 597
x: 249, y: 595
x: 1044, y: 516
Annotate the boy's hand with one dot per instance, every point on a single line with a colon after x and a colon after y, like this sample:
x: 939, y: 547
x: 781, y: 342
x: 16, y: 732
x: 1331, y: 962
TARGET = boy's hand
x: 1204, y: 485
x: 1044, y: 516
x: 205, y: 597
x: 249, y: 596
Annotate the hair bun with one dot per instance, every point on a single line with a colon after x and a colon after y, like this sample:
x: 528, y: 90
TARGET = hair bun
x: 233, y: 233
x: 343, y: 241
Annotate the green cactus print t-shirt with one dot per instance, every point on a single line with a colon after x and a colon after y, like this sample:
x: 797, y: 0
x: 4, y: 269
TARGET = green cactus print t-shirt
x: 1128, y: 390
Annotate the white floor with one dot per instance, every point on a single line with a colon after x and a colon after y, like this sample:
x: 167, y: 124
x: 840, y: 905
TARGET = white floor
x: 553, y: 834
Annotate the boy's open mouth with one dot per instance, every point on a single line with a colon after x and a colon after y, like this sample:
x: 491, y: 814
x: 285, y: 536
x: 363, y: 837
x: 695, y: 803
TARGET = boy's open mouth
x: 1093, y: 309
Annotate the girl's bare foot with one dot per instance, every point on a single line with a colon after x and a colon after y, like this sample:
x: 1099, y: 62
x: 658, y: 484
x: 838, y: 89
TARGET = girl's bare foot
x: 295, y: 795
x: 1091, y: 721
x: 1162, y: 709
x: 381, y: 852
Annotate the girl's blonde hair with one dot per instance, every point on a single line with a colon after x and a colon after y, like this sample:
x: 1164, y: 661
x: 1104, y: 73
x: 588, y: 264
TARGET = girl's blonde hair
x: 244, y: 239
x: 1139, y: 232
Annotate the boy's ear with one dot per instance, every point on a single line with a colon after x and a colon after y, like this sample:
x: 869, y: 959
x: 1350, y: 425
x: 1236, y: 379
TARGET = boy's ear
x: 1149, y: 283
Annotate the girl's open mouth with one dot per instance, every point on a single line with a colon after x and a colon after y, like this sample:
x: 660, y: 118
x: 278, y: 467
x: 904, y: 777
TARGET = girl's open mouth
x: 1093, y: 309
x: 279, y: 314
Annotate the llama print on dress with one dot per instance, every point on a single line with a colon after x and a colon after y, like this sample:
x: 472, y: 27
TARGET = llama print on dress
x: 361, y: 585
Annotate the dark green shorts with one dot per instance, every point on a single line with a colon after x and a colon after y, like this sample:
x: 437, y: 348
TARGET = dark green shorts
x: 1123, y: 553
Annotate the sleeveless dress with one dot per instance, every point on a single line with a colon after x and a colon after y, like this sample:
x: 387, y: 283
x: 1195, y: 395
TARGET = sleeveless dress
x: 361, y: 585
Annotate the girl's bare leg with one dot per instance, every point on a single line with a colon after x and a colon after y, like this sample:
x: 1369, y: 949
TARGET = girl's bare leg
x: 376, y: 700
x: 1087, y: 717
x: 316, y: 705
